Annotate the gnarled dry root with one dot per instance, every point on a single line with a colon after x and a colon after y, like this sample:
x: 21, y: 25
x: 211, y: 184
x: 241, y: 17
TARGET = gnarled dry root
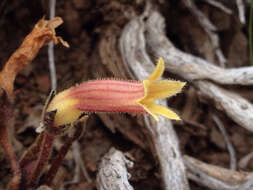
x: 112, y: 173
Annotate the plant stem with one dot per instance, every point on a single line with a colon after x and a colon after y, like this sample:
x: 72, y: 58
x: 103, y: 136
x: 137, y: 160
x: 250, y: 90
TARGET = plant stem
x: 5, y: 141
x: 63, y: 151
x: 8, y: 148
x: 43, y: 158
x: 58, y: 160
x: 33, y: 151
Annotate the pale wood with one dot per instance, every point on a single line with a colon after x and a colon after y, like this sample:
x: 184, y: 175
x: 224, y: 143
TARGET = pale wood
x: 112, y: 172
x: 236, y: 107
x: 215, y: 177
x: 191, y: 68
x: 165, y: 142
x: 188, y: 66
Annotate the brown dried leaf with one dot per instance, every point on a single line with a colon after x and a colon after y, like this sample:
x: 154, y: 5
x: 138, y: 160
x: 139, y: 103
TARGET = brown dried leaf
x: 42, y: 34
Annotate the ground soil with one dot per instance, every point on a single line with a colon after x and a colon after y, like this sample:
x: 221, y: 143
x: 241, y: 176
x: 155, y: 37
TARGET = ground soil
x: 84, y: 25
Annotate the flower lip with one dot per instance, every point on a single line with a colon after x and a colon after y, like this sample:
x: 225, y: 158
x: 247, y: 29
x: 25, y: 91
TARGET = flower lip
x: 159, y: 89
x: 111, y: 95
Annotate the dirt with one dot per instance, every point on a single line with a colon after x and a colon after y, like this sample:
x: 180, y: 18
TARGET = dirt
x: 84, y: 25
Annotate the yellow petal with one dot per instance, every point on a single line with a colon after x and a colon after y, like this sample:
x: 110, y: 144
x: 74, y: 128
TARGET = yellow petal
x: 65, y: 106
x: 158, y: 70
x: 159, y: 89
x: 163, y: 88
x: 146, y: 104
x: 161, y: 110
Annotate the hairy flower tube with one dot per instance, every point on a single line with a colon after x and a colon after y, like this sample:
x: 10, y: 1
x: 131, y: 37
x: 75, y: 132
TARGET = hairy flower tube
x: 109, y: 95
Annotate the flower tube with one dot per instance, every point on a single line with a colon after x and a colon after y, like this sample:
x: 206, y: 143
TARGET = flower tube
x: 110, y: 95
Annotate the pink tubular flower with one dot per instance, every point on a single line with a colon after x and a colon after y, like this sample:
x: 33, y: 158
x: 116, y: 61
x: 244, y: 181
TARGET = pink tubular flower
x: 116, y: 96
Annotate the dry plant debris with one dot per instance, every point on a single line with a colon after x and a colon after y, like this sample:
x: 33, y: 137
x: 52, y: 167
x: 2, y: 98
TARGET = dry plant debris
x: 112, y: 172
x: 42, y: 33
x: 123, y: 40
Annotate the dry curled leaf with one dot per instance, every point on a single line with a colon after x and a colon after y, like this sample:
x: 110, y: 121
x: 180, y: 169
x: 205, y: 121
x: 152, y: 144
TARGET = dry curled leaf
x: 42, y: 33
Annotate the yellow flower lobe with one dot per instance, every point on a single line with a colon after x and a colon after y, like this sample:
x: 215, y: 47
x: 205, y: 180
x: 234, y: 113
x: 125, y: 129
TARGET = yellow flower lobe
x: 159, y: 89
x: 66, y: 108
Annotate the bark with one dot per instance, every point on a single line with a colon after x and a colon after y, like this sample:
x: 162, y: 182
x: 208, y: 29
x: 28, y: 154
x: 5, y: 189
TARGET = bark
x: 112, y: 173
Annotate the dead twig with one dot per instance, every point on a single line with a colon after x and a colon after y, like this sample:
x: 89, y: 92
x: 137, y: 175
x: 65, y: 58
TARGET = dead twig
x: 215, y: 177
x: 213, y: 183
x: 205, y: 180
x: 231, y: 150
x: 219, y: 5
x: 79, y: 167
x: 225, y: 175
x: 248, y: 185
x: 79, y: 161
x: 241, y: 10
x: 112, y: 172
x: 209, y: 28
x: 188, y: 66
x: 236, y: 107
x: 243, y: 162
x: 75, y: 180
x: 52, y: 4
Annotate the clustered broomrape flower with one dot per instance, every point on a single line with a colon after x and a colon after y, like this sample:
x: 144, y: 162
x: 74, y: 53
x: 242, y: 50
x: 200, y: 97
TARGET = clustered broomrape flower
x: 116, y: 96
